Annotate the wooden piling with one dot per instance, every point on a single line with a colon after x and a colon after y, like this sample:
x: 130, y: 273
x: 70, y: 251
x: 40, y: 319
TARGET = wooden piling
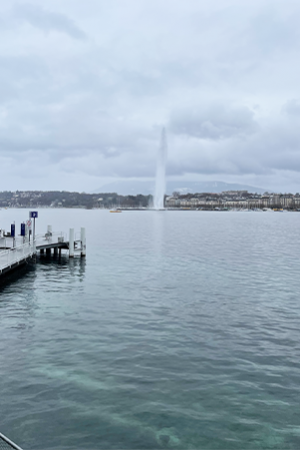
x: 71, y: 243
x: 83, y: 242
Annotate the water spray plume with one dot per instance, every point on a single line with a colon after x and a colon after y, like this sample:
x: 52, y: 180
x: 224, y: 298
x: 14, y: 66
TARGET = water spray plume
x: 160, y: 183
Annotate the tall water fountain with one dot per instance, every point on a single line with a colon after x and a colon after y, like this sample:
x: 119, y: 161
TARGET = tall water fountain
x: 160, y: 183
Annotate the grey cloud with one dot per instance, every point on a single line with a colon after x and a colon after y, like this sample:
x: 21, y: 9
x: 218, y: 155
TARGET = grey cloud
x: 214, y: 122
x: 274, y: 30
x: 21, y: 77
x: 292, y: 108
x: 46, y: 20
x: 273, y: 147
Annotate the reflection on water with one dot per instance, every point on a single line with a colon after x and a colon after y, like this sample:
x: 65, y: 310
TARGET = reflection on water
x: 53, y: 267
x: 24, y: 272
x: 158, y: 224
x: 62, y: 265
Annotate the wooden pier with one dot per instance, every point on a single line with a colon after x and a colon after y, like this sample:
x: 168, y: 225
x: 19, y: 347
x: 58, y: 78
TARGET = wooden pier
x: 57, y: 242
x: 14, y: 257
x: 16, y: 252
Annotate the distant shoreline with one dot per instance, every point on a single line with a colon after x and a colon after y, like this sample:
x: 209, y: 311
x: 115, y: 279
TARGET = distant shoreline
x: 204, y: 201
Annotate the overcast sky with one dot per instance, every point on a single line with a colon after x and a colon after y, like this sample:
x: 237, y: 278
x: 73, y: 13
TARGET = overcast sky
x: 86, y: 88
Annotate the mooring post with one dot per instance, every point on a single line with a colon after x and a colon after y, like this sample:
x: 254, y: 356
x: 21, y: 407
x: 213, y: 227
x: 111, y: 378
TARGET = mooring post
x: 83, y: 242
x: 27, y: 232
x: 71, y: 243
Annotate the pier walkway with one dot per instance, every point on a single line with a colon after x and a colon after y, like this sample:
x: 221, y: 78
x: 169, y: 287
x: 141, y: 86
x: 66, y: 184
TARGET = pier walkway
x: 11, y: 258
x: 17, y: 252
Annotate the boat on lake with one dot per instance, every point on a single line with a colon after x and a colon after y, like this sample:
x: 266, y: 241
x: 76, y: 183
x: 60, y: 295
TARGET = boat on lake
x: 117, y: 210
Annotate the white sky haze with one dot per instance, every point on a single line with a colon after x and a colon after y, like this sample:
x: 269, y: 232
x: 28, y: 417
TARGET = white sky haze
x: 86, y: 88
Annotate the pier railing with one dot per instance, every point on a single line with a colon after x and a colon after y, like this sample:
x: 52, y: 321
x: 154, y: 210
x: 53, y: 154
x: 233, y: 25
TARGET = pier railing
x: 16, y: 254
x: 54, y: 236
x: 7, y: 444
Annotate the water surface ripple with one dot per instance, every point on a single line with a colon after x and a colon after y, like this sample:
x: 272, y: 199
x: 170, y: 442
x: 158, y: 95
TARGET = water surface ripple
x: 179, y: 331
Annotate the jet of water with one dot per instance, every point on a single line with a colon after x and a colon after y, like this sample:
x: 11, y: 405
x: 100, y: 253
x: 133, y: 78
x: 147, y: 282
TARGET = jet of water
x: 160, y: 183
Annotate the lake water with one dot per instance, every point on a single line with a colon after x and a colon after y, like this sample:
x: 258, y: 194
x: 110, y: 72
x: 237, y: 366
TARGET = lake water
x: 180, y: 330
